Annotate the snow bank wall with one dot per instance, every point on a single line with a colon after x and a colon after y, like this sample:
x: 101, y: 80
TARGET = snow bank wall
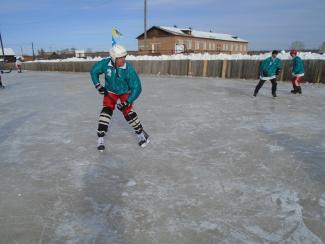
x: 234, y: 69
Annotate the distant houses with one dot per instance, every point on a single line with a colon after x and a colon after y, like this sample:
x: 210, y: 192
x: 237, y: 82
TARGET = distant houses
x: 80, y: 54
x: 160, y: 40
x: 168, y: 40
x: 9, y: 55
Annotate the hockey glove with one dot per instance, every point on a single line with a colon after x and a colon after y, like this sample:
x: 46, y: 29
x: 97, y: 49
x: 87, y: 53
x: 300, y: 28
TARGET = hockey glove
x: 101, y: 89
x: 265, y: 73
x: 277, y: 71
x: 122, y: 106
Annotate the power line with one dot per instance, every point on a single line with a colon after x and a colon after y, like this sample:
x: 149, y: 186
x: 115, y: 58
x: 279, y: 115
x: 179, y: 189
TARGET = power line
x: 145, y: 25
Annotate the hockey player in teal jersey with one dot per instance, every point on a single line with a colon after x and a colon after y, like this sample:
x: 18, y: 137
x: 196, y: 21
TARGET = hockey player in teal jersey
x: 297, y: 72
x: 269, y: 69
x: 121, y: 84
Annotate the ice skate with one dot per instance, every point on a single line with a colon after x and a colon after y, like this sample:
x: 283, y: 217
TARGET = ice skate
x: 101, y: 144
x: 299, y: 90
x: 143, y: 139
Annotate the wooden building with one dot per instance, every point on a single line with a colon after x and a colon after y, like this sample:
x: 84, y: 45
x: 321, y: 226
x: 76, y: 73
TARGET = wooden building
x: 9, y: 55
x: 168, y: 40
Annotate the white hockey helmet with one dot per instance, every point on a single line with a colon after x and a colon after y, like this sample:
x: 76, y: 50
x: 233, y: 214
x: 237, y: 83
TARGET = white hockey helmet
x: 117, y: 51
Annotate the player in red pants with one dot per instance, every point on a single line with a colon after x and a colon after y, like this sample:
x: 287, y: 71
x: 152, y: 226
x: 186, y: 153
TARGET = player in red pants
x: 121, y: 84
x: 297, y: 72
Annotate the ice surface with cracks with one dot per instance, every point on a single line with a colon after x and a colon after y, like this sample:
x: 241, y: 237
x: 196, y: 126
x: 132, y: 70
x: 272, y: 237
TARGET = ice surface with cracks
x: 222, y: 166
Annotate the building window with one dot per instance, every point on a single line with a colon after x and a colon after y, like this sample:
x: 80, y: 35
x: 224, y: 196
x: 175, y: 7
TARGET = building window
x: 197, y: 45
x: 188, y: 44
x: 200, y: 45
x: 179, y: 48
x: 155, y: 47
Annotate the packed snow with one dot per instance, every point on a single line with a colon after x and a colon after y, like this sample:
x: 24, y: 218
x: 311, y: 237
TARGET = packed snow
x: 200, y: 56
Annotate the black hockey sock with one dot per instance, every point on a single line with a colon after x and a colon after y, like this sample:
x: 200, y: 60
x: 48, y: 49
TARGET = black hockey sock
x: 274, y: 85
x: 258, y: 87
x: 133, y: 120
x: 104, y: 120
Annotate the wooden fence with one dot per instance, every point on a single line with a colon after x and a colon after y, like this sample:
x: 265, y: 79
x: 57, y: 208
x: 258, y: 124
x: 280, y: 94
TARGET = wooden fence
x: 234, y: 69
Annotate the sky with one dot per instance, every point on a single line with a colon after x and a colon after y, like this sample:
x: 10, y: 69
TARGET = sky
x: 86, y: 24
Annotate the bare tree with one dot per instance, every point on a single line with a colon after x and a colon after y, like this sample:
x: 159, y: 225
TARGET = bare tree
x: 322, y: 48
x: 64, y: 51
x: 298, y: 45
x: 41, y: 53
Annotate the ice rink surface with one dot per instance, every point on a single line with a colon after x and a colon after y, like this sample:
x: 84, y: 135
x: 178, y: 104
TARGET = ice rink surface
x: 222, y: 166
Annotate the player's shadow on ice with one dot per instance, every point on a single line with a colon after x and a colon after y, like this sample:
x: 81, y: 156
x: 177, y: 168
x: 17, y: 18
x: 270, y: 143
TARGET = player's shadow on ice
x: 240, y: 91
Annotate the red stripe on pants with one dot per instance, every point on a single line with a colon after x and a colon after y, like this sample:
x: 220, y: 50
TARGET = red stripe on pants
x: 296, y: 80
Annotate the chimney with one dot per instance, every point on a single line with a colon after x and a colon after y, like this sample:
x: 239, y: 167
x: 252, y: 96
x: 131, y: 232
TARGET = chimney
x: 187, y: 31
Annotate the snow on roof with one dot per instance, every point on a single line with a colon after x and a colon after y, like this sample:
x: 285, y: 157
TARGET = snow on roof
x: 206, y: 56
x: 7, y: 51
x: 173, y: 30
x: 201, y: 34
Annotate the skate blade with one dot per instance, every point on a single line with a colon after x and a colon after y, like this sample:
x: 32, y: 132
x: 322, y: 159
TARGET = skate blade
x: 145, y: 144
x: 101, y: 149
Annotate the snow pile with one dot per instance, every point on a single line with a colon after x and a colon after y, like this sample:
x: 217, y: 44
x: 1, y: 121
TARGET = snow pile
x: 199, y: 56
x: 206, y: 56
x: 74, y: 59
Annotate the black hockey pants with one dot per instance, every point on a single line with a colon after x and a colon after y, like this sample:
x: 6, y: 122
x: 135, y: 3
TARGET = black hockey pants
x: 261, y: 83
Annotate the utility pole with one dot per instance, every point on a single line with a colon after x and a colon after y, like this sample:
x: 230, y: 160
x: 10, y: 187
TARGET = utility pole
x: 21, y: 51
x: 3, y: 52
x: 33, y: 51
x: 145, y: 26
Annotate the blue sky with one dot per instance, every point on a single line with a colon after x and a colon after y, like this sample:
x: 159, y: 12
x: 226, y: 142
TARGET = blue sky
x: 82, y: 24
